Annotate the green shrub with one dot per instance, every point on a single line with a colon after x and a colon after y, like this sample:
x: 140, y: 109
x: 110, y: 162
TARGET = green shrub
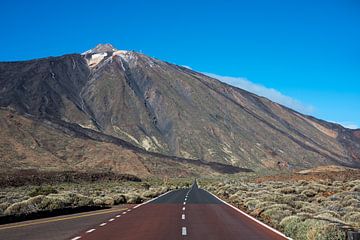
x: 353, y: 218
x: 356, y: 188
x: 251, y: 204
x: 287, y: 190
x: 309, y: 193
x: 325, y: 231
x: 104, y: 201
x: 43, y: 190
x: 25, y: 207
x: 119, y: 199
x: 133, y: 198
x: 275, y: 213
x: 290, y: 224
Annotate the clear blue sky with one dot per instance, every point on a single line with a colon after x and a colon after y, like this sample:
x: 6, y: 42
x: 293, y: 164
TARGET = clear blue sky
x: 307, y: 49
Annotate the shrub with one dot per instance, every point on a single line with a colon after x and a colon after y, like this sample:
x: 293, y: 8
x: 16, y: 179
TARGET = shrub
x: 25, y: 207
x: 356, y: 188
x: 353, y: 218
x: 290, y: 224
x: 151, y: 193
x: 119, y: 199
x: 309, y: 193
x: 42, y: 190
x: 287, y: 190
x: 275, y: 213
x: 146, y: 185
x: 133, y: 198
x: 251, y: 204
x: 322, y: 230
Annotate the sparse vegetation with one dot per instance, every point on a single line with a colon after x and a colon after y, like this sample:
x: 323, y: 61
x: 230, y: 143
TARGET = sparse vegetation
x: 311, y: 208
x: 24, y: 200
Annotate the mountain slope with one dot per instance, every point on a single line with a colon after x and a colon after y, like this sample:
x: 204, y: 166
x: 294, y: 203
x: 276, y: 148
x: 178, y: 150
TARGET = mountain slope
x: 28, y: 143
x: 168, y: 109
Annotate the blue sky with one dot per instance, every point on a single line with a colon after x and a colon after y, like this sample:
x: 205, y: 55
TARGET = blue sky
x: 306, y: 51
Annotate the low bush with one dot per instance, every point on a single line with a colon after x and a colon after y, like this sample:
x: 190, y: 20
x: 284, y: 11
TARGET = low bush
x: 43, y: 190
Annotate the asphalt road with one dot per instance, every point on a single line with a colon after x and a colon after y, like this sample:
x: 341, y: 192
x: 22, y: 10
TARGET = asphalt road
x: 181, y: 214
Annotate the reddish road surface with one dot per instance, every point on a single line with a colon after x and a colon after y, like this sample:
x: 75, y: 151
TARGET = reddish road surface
x: 182, y: 214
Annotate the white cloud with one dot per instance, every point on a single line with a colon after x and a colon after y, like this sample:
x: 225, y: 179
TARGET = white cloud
x: 263, y: 91
x: 185, y: 66
x: 350, y: 125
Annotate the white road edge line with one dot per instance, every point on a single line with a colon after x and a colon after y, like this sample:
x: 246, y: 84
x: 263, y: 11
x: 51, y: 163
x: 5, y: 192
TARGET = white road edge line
x: 148, y: 201
x: 183, y: 217
x: 252, y: 218
x: 103, y: 224
x: 75, y: 238
x: 183, y: 231
x: 91, y: 230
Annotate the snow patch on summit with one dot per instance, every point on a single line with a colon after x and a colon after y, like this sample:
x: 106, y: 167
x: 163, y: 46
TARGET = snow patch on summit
x: 96, y: 59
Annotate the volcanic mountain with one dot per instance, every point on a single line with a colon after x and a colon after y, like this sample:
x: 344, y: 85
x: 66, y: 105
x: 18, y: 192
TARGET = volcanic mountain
x: 105, y: 106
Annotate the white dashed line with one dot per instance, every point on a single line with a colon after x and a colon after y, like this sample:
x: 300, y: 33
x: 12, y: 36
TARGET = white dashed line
x: 118, y: 216
x: 183, y: 217
x: 124, y: 213
x: 91, y: 230
x: 183, y: 208
x: 183, y: 231
x: 103, y: 224
x: 184, y: 203
x: 75, y: 238
x: 112, y: 219
x: 129, y: 210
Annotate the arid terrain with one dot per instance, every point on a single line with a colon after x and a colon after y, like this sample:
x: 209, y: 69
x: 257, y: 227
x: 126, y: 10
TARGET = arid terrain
x: 321, y: 204
x: 108, y: 127
x: 69, y: 112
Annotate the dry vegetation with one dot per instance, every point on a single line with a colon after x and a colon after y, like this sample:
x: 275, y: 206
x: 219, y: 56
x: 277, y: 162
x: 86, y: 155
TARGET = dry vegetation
x: 24, y: 200
x: 302, y: 206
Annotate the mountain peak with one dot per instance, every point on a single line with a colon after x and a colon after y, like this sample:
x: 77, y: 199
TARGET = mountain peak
x: 102, y: 48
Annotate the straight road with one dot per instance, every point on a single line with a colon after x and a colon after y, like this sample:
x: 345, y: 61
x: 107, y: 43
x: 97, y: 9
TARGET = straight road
x: 182, y: 214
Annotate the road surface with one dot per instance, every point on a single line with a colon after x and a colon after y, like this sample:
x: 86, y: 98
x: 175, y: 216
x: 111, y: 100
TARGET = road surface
x: 181, y: 214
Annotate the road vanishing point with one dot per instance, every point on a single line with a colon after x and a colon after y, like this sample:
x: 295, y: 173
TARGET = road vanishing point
x: 191, y: 213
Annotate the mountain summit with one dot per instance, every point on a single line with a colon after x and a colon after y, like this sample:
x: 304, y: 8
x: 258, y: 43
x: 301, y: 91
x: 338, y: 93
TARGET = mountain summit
x: 165, y: 109
x: 102, y: 48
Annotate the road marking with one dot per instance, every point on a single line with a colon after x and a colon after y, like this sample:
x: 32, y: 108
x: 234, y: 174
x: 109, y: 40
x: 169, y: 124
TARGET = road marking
x: 91, y: 230
x: 129, y: 210
x: 60, y: 219
x: 124, y: 213
x: 75, y: 238
x: 112, y: 219
x: 252, y: 218
x: 183, y: 208
x: 118, y: 216
x: 183, y: 217
x: 103, y: 224
x: 184, y: 203
x: 183, y: 231
x: 148, y: 201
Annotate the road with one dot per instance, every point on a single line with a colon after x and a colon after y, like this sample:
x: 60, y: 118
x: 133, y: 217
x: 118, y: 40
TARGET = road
x: 181, y: 214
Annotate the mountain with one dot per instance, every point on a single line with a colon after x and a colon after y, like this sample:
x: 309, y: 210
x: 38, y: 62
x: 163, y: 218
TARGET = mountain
x: 159, y: 107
